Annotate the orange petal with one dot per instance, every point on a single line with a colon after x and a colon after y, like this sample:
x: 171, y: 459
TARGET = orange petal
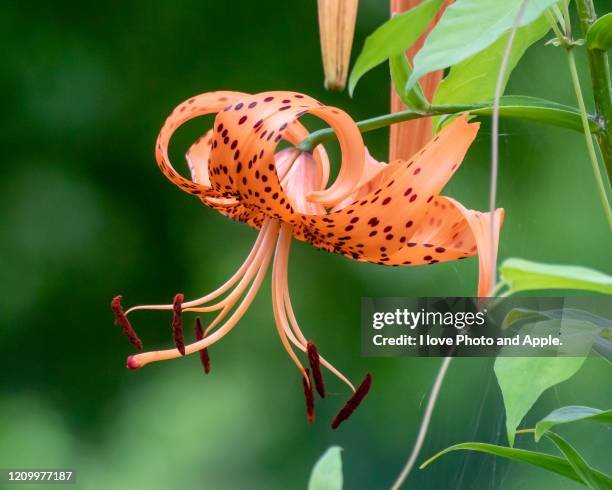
x: 336, y: 29
x: 194, y: 107
x: 406, y: 138
x: 299, y: 181
x: 199, y: 154
x: 246, y: 135
x: 197, y: 159
x: 449, y: 232
x: 382, y: 222
x: 374, y: 173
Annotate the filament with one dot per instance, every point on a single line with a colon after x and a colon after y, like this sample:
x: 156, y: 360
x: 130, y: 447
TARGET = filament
x: 140, y: 360
x: 222, y: 289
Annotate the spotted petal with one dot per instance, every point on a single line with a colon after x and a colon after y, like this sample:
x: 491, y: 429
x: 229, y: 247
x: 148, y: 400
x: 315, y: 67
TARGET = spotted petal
x: 383, y: 221
x: 200, y: 105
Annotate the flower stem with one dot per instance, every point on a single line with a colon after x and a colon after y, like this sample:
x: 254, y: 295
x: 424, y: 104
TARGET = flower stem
x: 601, y: 82
x: 327, y: 134
x: 431, y: 403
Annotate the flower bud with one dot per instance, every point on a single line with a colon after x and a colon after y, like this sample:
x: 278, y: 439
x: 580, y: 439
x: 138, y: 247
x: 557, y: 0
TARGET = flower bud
x: 336, y: 29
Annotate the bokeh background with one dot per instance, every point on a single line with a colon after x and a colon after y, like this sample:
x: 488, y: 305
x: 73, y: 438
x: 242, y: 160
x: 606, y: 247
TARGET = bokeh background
x: 86, y: 215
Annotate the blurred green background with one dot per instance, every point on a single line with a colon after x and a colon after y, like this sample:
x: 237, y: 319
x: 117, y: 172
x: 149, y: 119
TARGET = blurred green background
x: 86, y: 215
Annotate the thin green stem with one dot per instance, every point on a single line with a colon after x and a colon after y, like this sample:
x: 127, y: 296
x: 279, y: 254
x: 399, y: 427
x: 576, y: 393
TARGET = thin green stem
x: 499, y: 89
x: 327, y: 134
x: 566, y: 18
x: 601, y: 184
x: 555, y: 27
x: 601, y: 82
x: 431, y: 403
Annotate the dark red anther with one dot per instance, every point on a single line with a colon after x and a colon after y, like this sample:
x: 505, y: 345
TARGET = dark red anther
x: 177, y: 323
x: 315, y: 365
x: 123, y: 322
x: 353, y: 402
x: 309, y: 395
x: 199, y: 333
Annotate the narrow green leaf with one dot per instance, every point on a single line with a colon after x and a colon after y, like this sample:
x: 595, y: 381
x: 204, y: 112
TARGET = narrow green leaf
x: 393, y: 37
x: 531, y: 109
x: 547, y: 462
x: 524, y: 275
x: 400, y: 71
x: 469, y: 26
x: 589, y: 476
x: 599, y: 35
x: 572, y: 413
x: 522, y: 380
x: 327, y: 472
x: 474, y: 79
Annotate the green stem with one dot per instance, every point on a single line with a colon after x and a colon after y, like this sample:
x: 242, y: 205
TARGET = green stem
x: 601, y: 82
x: 555, y: 27
x: 601, y: 184
x: 327, y: 134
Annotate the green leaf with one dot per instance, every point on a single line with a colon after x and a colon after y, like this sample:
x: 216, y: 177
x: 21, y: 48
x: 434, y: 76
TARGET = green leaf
x: 569, y: 414
x: 393, y: 37
x: 400, y: 71
x: 550, y: 463
x: 599, y: 35
x: 524, y: 275
x: 530, y: 109
x: 601, y: 343
x: 517, y: 315
x: 469, y: 26
x: 474, y: 79
x: 589, y: 476
x: 327, y: 472
x: 523, y: 379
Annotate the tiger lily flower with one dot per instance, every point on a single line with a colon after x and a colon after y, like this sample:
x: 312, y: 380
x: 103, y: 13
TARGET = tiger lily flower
x: 390, y: 214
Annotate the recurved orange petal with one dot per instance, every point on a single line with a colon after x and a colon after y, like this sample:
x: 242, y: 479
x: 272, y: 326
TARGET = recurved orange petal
x: 245, y: 139
x: 383, y: 221
x: 450, y: 232
x: 200, y: 105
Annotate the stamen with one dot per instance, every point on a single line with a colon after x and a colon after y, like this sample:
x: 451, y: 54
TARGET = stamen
x: 302, y: 346
x: 122, y: 321
x: 307, y: 385
x: 353, y: 402
x: 315, y: 365
x: 199, y: 333
x: 222, y: 289
x: 177, y: 323
x: 279, y: 271
x: 285, y: 312
x: 155, y: 356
